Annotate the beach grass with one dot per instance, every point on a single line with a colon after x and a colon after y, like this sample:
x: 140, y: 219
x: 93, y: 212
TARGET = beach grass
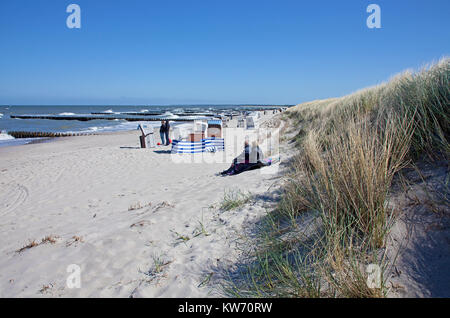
x: 234, y: 199
x: 349, y: 150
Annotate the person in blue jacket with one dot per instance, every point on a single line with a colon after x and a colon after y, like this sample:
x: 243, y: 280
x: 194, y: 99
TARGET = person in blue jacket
x: 162, y: 132
x: 166, y: 132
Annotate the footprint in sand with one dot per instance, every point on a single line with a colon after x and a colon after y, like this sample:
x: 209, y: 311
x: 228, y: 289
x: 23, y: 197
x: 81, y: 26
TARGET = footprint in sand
x: 12, y: 197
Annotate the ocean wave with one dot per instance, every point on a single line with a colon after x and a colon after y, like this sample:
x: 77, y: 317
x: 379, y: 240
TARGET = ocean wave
x: 16, y: 142
x: 169, y: 115
x: 122, y: 126
x: 66, y: 114
x: 1, y: 115
x: 5, y: 136
x: 110, y: 111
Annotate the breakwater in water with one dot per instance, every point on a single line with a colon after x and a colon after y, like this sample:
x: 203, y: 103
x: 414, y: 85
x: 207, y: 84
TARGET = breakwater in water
x: 178, y: 114
x: 40, y: 134
x: 96, y: 117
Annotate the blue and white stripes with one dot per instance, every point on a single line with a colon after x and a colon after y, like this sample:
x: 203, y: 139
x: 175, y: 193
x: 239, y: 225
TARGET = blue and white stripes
x: 205, y: 145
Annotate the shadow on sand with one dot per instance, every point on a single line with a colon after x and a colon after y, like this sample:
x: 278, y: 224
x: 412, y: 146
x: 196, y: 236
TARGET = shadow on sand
x: 126, y: 147
x: 162, y: 151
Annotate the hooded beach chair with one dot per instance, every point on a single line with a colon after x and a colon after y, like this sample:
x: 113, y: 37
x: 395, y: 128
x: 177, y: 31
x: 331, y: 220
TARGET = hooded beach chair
x: 147, y: 138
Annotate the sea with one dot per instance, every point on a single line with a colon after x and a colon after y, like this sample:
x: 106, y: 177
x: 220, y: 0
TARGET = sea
x: 8, y: 124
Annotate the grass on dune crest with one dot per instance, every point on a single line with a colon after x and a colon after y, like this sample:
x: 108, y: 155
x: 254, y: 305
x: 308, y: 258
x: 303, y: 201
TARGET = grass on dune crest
x: 422, y: 97
x: 350, y: 149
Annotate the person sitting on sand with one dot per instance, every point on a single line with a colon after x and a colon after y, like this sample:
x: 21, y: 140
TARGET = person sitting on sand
x: 242, y: 158
x: 251, y: 158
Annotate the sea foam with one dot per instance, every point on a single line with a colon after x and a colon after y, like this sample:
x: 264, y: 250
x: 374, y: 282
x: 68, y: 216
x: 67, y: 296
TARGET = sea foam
x: 5, y: 136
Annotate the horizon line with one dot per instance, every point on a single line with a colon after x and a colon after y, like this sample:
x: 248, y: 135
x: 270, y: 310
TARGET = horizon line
x: 146, y: 105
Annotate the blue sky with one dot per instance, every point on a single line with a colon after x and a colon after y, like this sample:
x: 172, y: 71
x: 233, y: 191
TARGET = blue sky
x: 215, y: 51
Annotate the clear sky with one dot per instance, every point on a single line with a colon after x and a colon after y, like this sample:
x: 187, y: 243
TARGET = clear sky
x: 215, y: 51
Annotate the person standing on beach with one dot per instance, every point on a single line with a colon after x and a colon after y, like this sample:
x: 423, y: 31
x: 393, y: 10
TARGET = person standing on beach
x: 162, y: 132
x: 167, y: 129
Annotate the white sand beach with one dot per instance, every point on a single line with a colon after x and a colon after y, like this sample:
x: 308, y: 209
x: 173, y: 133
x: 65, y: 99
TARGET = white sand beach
x: 138, y: 223
x: 135, y: 223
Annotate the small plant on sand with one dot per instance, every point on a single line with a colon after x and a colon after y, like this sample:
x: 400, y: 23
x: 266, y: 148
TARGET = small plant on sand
x: 181, y: 237
x: 156, y: 272
x: 52, y: 239
x: 234, y: 199
x: 158, y: 265
x: 46, y: 288
x: 31, y: 244
x: 141, y: 224
x: 162, y: 205
x: 206, y: 280
x: 138, y: 206
x: 200, y: 230
x: 74, y: 240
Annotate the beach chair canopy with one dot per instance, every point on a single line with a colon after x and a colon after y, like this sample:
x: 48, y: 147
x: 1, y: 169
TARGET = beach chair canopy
x: 214, y: 128
x: 215, y: 122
